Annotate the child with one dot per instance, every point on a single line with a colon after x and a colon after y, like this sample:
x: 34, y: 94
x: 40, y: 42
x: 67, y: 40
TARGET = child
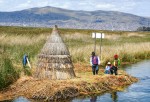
x: 107, y: 68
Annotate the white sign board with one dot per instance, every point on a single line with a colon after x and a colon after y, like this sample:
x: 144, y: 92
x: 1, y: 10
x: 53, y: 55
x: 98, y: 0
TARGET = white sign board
x: 98, y: 35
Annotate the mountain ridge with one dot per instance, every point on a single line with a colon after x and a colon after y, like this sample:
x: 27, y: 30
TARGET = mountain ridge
x: 49, y: 16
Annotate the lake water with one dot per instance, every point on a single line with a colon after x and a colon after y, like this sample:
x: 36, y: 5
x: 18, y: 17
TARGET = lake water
x: 137, y: 92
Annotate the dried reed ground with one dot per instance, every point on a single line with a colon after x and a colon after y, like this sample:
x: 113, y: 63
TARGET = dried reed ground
x: 84, y: 84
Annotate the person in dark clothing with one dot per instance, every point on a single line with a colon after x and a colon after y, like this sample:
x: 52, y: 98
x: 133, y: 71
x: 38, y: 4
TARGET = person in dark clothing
x: 94, y: 61
x: 114, y: 70
x: 115, y: 66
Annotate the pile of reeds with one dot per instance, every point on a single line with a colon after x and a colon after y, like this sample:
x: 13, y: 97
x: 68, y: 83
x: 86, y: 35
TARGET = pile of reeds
x: 54, y: 61
x: 52, y: 90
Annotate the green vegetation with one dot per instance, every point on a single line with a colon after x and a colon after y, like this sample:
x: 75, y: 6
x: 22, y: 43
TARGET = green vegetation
x: 21, y: 40
x: 8, y: 74
x: 130, y: 46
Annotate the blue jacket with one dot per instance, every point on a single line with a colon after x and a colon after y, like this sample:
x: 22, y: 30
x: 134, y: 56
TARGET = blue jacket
x: 24, y: 60
x: 107, y: 67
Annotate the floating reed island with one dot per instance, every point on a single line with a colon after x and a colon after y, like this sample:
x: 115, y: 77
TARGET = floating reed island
x: 55, y: 79
x: 56, y: 90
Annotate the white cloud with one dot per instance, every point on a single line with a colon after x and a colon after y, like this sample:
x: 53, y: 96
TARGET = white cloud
x: 66, y: 5
x: 82, y: 3
x: 122, y: 5
x: 41, y: 3
x: 105, y: 6
x: 1, y: 1
x: 129, y: 6
x: 30, y: 4
x: 29, y: 1
x: 22, y: 6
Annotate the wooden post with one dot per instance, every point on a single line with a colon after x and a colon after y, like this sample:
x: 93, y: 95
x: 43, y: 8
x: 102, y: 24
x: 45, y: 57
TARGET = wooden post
x: 28, y: 63
x: 95, y: 44
x: 100, y: 46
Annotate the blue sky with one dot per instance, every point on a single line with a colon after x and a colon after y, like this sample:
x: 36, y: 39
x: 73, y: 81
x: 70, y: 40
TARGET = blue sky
x: 137, y: 7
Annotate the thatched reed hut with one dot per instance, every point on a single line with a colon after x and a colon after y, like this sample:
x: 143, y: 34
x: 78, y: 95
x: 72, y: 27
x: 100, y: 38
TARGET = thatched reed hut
x: 54, y: 60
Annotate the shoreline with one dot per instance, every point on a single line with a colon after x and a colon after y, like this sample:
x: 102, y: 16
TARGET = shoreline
x: 82, y: 85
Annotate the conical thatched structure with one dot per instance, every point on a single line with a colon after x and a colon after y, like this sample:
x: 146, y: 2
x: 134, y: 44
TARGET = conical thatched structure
x: 54, y: 61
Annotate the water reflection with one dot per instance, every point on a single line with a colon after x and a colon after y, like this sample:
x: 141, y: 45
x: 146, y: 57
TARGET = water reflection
x: 93, y: 99
x: 137, y: 92
x: 114, y: 96
x: 21, y: 99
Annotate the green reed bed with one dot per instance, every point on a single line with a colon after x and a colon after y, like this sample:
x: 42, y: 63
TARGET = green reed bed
x: 8, y: 74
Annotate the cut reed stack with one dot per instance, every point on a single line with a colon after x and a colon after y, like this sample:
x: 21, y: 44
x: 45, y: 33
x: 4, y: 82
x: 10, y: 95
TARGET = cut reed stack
x: 54, y: 61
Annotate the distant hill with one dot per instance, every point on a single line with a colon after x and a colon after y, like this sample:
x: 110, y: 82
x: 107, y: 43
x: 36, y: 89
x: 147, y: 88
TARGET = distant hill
x: 49, y: 16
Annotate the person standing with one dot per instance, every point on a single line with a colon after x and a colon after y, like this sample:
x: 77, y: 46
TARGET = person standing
x: 94, y: 61
x: 116, y: 64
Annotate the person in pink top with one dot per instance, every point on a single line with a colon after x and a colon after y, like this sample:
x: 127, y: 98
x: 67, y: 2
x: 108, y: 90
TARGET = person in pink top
x: 94, y: 61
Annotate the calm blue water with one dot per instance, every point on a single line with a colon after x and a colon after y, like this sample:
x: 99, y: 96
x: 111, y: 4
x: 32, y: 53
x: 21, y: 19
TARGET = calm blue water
x: 137, y: 92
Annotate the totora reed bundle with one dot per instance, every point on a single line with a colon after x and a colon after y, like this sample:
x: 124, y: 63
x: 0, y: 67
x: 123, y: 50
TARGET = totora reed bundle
x: 54, y: 61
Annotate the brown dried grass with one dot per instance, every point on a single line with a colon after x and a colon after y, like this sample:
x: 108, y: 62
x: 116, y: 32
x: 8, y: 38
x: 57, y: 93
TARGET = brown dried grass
x: 21, y: 39
x: 83, y: 84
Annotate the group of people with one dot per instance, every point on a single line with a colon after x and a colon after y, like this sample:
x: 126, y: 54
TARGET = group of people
x: 109, y: 69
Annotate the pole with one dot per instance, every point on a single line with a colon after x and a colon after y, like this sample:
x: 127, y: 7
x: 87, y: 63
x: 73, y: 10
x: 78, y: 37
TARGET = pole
x: 95, y: 44
x: 100, y: 46
x: 28, y: 63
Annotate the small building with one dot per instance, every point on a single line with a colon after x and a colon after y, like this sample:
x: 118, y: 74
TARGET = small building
x: 54, y: 60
